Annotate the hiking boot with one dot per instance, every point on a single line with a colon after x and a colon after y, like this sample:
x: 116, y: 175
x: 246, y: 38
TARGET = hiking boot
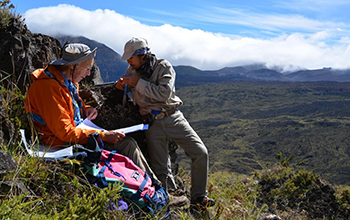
x: 177, y: 192
x: 178, y: 201
x: 203, y: 202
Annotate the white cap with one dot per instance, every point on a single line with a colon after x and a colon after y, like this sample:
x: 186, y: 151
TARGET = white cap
x: 133, y: 45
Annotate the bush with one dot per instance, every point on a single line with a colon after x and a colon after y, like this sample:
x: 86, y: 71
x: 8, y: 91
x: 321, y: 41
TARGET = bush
x: 6, y: 12
x: 300, y: 191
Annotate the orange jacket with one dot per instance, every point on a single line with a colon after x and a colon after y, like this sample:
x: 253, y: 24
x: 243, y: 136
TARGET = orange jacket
x: 51, y: 99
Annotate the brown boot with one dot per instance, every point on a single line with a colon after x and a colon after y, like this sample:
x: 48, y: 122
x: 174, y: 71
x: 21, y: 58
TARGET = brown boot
x: 178, y: 201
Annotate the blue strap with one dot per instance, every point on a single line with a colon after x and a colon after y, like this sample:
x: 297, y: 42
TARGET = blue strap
x: 76, y: 100
x: 77, y: 103
x: 38, y: 118
x: 110, y: 167
x: 149, y: 207
x: 111, y: 154
x: 150, y: 210
x: 101, y: 142
x: 101, y: 176
x: 47, y: 72
x: 167, y: 213
x: 137, y: 195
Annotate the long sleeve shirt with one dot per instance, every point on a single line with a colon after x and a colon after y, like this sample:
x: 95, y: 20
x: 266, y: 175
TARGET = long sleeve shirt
x: 157, y: 92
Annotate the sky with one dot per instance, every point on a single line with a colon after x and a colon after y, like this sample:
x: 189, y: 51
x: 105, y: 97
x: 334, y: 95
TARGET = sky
x: 205, y: 34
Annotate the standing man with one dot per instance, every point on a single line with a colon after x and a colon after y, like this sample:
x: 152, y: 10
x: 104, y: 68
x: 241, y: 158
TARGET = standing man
x: 152, y: 82
x: 54, y: 103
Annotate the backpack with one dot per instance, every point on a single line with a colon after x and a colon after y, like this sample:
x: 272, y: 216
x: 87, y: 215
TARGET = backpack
x: 137, y: 186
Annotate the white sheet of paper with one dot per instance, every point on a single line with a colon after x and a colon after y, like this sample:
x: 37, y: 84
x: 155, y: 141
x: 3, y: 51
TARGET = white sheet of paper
x: 45, y: 151
x: 139, y: 127
x: 87, y: 124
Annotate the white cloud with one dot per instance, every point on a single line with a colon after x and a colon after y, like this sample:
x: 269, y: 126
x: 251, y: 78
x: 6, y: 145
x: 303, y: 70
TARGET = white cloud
x: 204, y: 50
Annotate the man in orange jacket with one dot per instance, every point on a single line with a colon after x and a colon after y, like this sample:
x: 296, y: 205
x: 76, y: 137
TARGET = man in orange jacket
x: 57, y: 109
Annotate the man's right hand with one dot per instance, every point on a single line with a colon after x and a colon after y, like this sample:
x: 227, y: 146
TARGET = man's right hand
x: 113, y: 137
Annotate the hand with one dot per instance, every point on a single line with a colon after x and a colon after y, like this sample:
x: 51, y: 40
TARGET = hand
x: 120, y: 84
x: 131, y: 80
x: 113, y: 136
x: 91, y: 113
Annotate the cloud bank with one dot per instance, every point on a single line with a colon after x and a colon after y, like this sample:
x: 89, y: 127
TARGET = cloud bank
x: 195, y: 47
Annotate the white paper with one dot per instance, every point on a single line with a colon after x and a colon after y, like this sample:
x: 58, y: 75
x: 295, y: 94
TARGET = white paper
x: 134, y: 128
x: 87, y: 124
x: 45, y: 151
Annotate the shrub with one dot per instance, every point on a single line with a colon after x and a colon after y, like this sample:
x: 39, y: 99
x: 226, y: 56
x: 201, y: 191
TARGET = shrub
x: 6, y: 12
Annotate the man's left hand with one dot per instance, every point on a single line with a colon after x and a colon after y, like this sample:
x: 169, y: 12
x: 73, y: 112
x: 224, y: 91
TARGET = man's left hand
x: 120, y: 84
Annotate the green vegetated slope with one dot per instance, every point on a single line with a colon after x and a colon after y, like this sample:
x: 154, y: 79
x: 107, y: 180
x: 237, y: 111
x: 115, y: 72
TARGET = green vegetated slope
x: 246, y: 124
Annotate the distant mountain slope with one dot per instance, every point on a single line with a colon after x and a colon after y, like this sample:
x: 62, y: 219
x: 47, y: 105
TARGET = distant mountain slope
x: 267, y: 75
x: 238, y: 70
x: 108, y: 61
x: 188, y: 71
x: 189, y: 76
x: 185, y: 76
x: 325, y: 74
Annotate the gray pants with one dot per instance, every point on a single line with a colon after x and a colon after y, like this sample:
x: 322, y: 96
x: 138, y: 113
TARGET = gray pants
x: 128, y: 147
x: 177, y: 128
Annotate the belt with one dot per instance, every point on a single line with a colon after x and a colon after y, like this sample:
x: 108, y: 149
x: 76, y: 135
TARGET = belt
x: 163, y: 114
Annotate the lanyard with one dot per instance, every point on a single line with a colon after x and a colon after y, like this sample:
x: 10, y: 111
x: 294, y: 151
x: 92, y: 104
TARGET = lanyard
x: 77, y: 104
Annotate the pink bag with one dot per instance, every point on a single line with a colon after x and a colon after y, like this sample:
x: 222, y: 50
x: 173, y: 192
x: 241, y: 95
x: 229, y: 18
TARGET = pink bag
x: 137, y: 185
x: 122, y: 168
